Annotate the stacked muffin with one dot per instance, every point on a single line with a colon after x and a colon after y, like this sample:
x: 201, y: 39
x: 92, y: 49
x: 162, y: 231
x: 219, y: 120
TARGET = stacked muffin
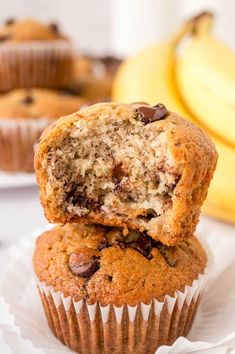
x: 124, y: 274
x: 31, y: 55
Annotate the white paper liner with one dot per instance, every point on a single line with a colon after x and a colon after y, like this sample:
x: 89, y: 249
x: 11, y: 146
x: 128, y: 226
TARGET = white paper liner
x: 17, y: 137
x: 91, y: 328
x: 35, y: 64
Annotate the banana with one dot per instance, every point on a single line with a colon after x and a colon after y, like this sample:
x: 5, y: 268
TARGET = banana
x: 148, y: 76
x: 205, y: 75
x: 220, y: 201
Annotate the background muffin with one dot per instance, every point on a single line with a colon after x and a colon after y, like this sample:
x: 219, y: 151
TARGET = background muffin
x: 33, y: 54
x: 24, y: 114
x: 117, y: 285
x: 93, y: 77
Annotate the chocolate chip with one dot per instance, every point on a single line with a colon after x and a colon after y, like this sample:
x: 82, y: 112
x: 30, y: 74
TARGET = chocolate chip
x: 150, y: 214
x: 54, y: 27
x: 142, y: 245
x: 27, y: 100
x: 83, y: 264
x: 149, y: 114
x: 81, y: 200
x: 165, y: 252
x: 117, y: 174
x: 10, y: 21
x: 110, y: 278
x: 5, y: 37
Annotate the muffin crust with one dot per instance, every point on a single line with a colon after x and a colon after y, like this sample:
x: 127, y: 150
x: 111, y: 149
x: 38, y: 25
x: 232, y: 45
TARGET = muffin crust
x: 124, y: 275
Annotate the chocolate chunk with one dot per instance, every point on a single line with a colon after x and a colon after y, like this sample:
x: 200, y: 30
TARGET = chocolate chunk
x: 110, y: 278
x: 165, y: 252
x: 54, y: 27
x: 4, y: 37
x: 142, y: 245
x: 10, y: 21
x: 149, y: 114
x: 79, y: 199
x: 150, y: 214
x: 117, y: 174
x: 83, y: 264
x: 27, y: 100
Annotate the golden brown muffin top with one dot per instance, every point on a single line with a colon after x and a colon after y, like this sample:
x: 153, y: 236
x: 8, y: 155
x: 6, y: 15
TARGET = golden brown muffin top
x: 100, y: 264
x: 35, y: 103
x: 29, y: 30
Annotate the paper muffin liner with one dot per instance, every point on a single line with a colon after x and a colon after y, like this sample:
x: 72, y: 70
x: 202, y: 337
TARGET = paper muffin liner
x: 92, y: 328
x: 17, y: 137
x: 35, y: 64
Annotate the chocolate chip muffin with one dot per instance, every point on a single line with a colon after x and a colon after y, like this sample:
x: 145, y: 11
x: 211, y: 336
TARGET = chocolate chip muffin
x: 24, y: 114
x: 33, y: 54
x: 105, y: 292
x: 131, y: 166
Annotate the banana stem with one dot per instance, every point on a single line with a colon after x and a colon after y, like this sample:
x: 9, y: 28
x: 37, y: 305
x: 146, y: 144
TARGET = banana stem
x: 202, y: 23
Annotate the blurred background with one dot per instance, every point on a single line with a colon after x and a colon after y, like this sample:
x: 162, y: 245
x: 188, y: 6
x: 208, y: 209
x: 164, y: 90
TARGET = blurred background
x: 120, y: 27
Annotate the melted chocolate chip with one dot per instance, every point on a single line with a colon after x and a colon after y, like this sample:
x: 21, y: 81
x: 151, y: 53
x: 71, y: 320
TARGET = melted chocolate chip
x: 110, y: 278
x: 27, y: 100
x: 149, y: 114
x: 142, y: 245
x: 81, y: 200
x: 10, y: 21
x: 54, y: 27
x: 117, y: 174
x: 164, y: 250
x: 5, y: 37
x: 83, y: 268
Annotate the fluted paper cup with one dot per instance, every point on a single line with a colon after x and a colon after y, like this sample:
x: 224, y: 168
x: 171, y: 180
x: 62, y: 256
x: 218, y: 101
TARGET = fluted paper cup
x: 35, y: 64
x: 17, y: 137
x: 92, y: 328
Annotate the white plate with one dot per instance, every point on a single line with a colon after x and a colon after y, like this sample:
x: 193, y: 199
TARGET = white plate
x: 19, y: 179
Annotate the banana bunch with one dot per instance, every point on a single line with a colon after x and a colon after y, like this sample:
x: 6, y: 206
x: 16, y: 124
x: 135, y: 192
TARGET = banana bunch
x: 198, y: 82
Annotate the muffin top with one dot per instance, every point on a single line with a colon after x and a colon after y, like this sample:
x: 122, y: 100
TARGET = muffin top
x: 35, y: 103
x: 29, y: 30
x: 101, y: 264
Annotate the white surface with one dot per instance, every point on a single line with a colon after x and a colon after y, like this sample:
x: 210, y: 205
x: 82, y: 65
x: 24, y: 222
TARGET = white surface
x: 9, y: 180
x: 208, y: 335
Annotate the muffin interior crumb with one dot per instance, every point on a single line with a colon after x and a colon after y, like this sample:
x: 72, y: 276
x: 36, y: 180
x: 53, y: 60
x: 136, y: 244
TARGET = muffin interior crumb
x: 118, y: 167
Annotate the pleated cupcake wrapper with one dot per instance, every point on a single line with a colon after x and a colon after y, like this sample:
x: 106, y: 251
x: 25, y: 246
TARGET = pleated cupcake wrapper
x: 35, y: 64
x: 17, y: 137
x: 92, y: 328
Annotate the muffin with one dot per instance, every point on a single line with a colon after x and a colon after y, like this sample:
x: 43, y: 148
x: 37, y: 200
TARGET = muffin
x: 33, y: 54
x: 24, y: 114
x: 90, y: 79
x: 103, y: 292
x: 130, y: 166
